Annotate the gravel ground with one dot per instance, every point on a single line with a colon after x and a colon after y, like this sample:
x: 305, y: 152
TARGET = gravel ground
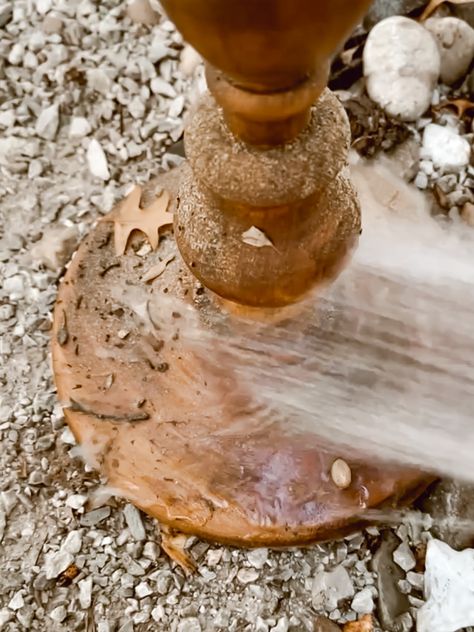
x: 91, y: 103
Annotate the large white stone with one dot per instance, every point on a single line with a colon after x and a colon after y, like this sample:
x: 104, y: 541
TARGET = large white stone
x: 445, y: 147
x: 449, y: 589
x: 401, y: 66
x: 456, y: 46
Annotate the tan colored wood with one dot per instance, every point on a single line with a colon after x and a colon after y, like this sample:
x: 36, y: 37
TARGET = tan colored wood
x: 151, y: 421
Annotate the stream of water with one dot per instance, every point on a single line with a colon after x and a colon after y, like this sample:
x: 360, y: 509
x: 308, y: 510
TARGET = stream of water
x: 382, y: 361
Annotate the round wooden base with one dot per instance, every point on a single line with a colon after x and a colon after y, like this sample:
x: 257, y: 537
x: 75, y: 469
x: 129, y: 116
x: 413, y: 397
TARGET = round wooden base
x: 141, y: 405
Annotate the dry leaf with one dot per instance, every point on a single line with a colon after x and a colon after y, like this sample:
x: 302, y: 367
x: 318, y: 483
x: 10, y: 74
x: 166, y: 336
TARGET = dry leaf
x: 434, y: 4
x: 173, y: 544
x: 461, y: 105
x: 131, y: 217
x: 365, y: 624
x: 256, y: 237
x: 157, y: 270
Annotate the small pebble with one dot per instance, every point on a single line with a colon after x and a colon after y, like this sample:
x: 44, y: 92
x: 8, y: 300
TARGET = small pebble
x: 48, y: 123
x: 79, y: 127
x: 85, y: 593
x: 94, y: 517
x: 363, y: 602
x: 141, y: 12
x: 58, y: 614
x: 247, y: 575
x: 97, y: 161
x: 421, y: 180
x: 403, y: 556
x: 445, y: 148
x: 17, y: 601
x: 341, y: 474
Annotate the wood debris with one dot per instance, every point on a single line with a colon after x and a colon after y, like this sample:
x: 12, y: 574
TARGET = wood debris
x: 157, y: 270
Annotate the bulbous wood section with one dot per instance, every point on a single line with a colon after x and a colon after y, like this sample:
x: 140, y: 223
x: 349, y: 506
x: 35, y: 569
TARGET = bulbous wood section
x: 149, y: 419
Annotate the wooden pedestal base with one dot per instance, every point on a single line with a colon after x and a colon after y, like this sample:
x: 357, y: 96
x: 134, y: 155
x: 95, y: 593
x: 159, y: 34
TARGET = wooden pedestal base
x: 150, y: 420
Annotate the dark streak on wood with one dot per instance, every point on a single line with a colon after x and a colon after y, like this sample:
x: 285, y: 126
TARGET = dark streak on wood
x: 132, y: 417
x: 104, y: 271
x: 63, y: 334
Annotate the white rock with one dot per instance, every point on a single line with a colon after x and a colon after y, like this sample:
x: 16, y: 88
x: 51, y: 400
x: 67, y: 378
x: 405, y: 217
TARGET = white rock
x: 43, y: 6
x: 8, y: 500
x: 58, y: 614
x: 76, y: 501
x: 456, y: 46
x: 142, y: 12
x: 401, y: 66
x: 416, y: 580
x: 5, y: 616
x: 85, y: 592
x: 247, y: 575
x: 282, y: 625
x: 15, y: 286
x: 421, y: 180
x: 160, y: 86
x: 56, y: 563
x: 134, y: 522
x: 17, y: 601
x: 79, y: 127
x: 449, y: 589
x: 445, y: 147
x: 151, y: 551
x: 36, y: 41
x: 30, y: 61
x: 67, y: 437
x: 98, y: 80
x: 404, y: 557
x: 341, y: 474
x: 136, y: 108
x: 97, y: 161
x: 190, y: 60
x: 257, y: 557
x: 73, y: 542
x: 363, y: 602
x: 7, y: 118
x: 158, y: 50
x: 143, y: 590
x: 330, y: 588
x: 48, y: 123
x: 15, y: 56
x: 158, y: 613
x: 191, y: 624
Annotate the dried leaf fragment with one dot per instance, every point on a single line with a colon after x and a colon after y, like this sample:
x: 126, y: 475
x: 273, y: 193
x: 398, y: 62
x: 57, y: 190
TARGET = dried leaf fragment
x: 434, y: 4
x: 157, y: 270
x: 256, y: 237
x: 364, y: 624
x: 173, y: 544
x: 132, y: 217
x: 461, y: 106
